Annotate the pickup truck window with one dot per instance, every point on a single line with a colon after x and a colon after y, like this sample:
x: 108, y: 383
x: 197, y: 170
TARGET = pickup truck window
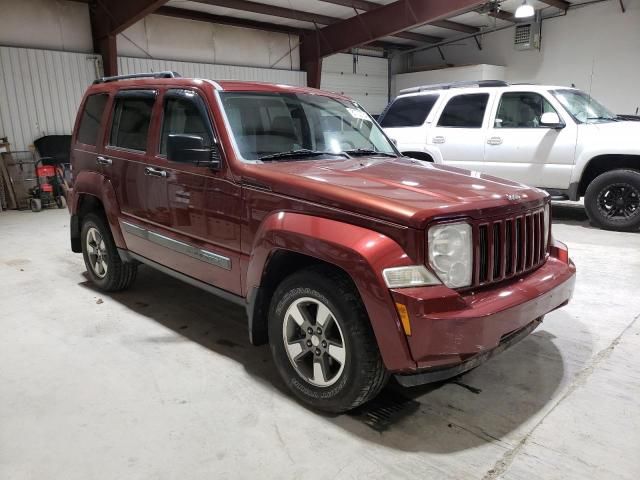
x: 91, y: 116
x: 409, y: 111
x: 131, y: 118
x: 583, y: 107
x: 464, y: 111
x: 181, y: 115
x: 521, y: 110
x: 264, y: 124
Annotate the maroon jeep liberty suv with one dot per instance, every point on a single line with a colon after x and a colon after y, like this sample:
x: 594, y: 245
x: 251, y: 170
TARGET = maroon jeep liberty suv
x: 353, y: 262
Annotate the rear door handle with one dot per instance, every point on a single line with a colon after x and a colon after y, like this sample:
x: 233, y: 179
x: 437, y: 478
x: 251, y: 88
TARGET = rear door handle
x: 103, y: 161
x: 438, y: 139
x: 495, y: 141
x: 155, y: 172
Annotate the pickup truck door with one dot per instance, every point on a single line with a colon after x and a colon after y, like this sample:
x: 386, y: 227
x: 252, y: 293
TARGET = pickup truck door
x: 519, y: 148
x: 459, y: 131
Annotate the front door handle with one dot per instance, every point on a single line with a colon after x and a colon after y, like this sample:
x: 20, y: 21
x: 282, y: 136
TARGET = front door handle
x: 103, y: 161
x: 495, y: 141
x: 155, y: 172
x: 438, y: 139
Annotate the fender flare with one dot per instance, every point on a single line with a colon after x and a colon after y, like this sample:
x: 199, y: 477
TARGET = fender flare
x: 360, y: 252
x: 99, y: 186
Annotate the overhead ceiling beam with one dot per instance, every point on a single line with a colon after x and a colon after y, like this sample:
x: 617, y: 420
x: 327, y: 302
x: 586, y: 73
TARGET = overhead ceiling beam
x: 502, y: 15
x: 561, y: 4
x: 367, y: 5
x: 115, y: 16
x: 198, y: 16
x: 381, y: 22
x: 225, y: 20
x: 302, y: 16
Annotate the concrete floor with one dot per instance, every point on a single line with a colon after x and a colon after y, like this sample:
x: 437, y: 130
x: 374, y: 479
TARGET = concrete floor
x: 160, y: 382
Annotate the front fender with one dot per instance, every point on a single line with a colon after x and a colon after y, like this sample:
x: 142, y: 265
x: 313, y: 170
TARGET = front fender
x: 100, y: 187
x: 360, y: 252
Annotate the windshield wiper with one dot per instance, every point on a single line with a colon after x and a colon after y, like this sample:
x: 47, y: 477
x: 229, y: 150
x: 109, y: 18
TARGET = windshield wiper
x: 368, y: 151
x: 301, y: 153
x: 613, y: 119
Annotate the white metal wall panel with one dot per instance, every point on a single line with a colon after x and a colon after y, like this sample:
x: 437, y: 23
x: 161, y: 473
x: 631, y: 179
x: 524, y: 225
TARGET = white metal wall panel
x: 365, y: 79
x: 129, y: 65
x: 40, y: 91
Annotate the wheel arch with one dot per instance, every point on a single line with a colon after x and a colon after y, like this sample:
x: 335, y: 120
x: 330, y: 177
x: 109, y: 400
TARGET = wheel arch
x: 93, y: 192
x: 287, y: 242
x: 605, y: 163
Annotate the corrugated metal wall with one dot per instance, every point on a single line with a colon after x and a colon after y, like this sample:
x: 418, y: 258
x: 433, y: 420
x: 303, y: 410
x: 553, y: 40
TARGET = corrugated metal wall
x: 127, y: 65
x: 40, y: 91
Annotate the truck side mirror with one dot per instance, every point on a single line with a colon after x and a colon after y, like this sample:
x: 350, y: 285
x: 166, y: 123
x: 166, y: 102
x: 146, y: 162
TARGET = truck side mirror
x: 551, y: 120
x: 184, y: 148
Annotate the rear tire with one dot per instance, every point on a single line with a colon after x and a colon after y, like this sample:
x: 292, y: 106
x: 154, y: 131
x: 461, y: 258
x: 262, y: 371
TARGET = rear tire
x: 35, y: 204
x: 61, y: 202
x: 106, y: 270
x: 612, y: 200
x: 335, y: 365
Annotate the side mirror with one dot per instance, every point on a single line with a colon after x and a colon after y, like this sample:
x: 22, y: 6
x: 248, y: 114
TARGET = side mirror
x: 551, y: 120
x: 184, y: 148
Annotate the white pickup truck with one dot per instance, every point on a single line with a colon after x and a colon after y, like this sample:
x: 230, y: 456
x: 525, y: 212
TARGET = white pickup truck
x: 556, y: 138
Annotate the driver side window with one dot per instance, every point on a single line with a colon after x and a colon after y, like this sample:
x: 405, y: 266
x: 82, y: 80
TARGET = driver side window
x: 182, y: 116
x: 521, y: 110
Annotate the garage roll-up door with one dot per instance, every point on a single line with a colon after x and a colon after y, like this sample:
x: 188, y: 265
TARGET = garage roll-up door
x: 365, y: 79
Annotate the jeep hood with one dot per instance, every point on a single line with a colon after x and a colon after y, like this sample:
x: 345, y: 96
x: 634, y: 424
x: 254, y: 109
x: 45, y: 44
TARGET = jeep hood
x: 403, y: 191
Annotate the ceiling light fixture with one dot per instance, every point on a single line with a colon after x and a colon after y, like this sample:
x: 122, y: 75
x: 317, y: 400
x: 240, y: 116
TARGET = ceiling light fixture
x: 525, y: 10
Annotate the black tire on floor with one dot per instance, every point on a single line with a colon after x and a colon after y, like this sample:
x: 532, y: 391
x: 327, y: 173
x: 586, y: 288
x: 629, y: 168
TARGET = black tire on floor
x: 363, y: 374
x: 603, y: 189
x: 117, y: 275
x: 35, y: 204
x: 61, y: 202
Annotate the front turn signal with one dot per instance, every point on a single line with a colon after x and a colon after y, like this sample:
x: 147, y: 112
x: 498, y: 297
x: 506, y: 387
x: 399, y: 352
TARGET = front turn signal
x: 404, y: 318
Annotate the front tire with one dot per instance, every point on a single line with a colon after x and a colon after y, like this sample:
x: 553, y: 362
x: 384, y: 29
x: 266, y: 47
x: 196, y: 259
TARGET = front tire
x: 106, y: 270
x: 322, y: 342
x: 612, y: 200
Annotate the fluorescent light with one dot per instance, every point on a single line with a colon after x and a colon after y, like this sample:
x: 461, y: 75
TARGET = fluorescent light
x: 525, y: 10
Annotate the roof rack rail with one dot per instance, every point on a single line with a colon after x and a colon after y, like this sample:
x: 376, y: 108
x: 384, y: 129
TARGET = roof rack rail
x: 115, y: 78
x: 462, y: 84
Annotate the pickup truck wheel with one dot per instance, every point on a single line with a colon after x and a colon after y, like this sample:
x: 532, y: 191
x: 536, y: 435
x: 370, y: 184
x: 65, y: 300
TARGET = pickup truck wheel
x: 612, y: 200
x: 322, y: 342
x: 106, y: 270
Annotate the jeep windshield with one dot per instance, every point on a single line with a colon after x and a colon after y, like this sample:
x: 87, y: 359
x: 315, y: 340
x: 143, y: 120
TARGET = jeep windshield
x: 275, y: 126
x: 582, y: 107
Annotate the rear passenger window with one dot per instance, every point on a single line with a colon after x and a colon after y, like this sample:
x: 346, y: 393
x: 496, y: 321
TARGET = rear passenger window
x: 90, y: 122
x: 464, y: 111
x: 408, y: 111
x: 131, y: 118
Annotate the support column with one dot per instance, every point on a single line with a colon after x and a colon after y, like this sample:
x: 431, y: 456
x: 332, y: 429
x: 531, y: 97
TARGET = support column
x: 106, y: 47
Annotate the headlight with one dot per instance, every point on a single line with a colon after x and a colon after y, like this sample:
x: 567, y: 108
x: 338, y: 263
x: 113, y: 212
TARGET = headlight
x: 450, y: 253
x: 412, y: 276
x: 547, y: 225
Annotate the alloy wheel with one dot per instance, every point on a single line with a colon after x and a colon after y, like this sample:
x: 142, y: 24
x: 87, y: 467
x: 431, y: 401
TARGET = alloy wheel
x: 97, y: 252
x: 314, y: 342
x: 619, y: 201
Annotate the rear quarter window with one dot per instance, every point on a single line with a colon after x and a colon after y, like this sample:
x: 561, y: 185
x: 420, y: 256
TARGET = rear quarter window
x: 464, y: 111
x: 408, y: 111
x: 89, y: 127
